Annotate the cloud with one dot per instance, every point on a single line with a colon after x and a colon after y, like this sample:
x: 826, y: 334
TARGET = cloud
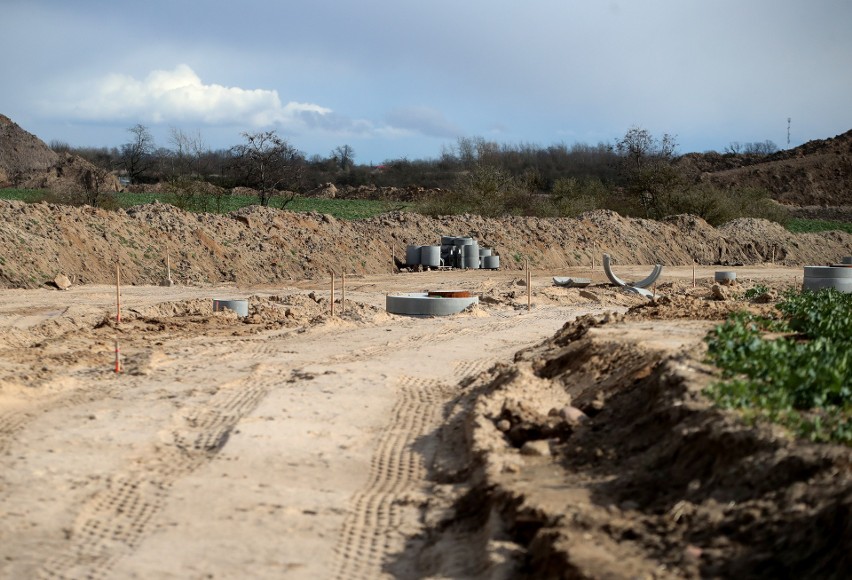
x: 179, y: 95
x: 422, y: 120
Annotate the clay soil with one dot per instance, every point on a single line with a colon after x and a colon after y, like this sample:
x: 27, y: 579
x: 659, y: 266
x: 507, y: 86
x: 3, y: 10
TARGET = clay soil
x: 567, y: 440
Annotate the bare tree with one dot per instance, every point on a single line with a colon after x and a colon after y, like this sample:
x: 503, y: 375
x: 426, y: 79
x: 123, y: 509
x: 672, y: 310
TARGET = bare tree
x: 639, y: 147
x: 344, y: 157
x: 761, y: 147
x: 268, y: 163
x: 137, y: 156
x: 189, y: 150
x: 734, y: 147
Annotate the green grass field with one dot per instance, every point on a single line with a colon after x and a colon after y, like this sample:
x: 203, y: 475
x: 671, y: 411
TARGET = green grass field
x: 347, y: 209
x: 800, y: 226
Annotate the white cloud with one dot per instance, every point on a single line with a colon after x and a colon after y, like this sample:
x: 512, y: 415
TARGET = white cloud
x: 179, y: 95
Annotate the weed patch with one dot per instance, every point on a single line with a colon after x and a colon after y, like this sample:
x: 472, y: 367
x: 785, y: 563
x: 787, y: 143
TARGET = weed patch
x: 801, y: 375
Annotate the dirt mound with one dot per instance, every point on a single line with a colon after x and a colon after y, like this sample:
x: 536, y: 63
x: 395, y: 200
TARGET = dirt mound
x: 817, y: 173
x: 21, y: 154
x: 596, y: 455
x: 26, y: 161
x: 257, y: 245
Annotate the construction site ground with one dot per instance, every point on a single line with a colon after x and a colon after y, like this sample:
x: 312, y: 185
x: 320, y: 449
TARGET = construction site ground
x: 296, y: 444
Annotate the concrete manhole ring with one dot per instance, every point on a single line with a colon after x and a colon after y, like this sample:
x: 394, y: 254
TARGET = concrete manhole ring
x: 422, y: 304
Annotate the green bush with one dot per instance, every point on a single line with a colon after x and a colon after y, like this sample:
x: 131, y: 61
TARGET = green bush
x: 572, y: 196
x: 803, y: 379
x: 718, y: 206
x: 488, y: 191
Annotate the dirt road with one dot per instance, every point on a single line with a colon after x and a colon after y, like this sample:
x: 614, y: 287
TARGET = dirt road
x: 296, y: 444
x: 294, y: 452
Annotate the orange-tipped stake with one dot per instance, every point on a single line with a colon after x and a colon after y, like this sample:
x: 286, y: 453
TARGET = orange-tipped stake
x: 117, y: 357
x: 332, y: 293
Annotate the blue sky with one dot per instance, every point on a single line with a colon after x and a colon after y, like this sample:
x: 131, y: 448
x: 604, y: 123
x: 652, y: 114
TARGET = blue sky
x: 399, y: 78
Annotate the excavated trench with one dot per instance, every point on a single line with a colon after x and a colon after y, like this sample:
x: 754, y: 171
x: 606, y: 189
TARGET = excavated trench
x: 595, y: 454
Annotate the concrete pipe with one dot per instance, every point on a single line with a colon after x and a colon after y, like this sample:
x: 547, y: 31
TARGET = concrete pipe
x: 448, y: 240
x: 238, y: 306
x: 724, y: 277
x: 430, y: 256
x: 827, y: 272
x: 470, y: 256
x: 421, y: 304
x: 412, y: 255
x: 463, y: 241
x: 491, y: 262
x: 819, y: 277
x: 484, y: 252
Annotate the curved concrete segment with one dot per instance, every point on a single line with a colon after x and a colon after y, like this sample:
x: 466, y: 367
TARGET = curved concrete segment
x: 421, y: 304
x: 238, y: 306
x: 644, y: 283
x: 572, y: 282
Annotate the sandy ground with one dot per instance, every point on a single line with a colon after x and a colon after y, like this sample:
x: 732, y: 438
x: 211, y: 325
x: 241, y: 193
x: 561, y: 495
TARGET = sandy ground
x: 295, y: 451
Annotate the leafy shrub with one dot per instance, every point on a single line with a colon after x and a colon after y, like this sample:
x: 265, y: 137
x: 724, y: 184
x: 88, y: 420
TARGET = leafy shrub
x: 804, y: 380
x: 718, y: 206
x: 755, y: 291
x: 74, y: 195
x: 572, y: 196
x: 489, y: 191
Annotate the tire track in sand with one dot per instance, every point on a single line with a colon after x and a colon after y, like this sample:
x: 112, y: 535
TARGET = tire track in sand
x: 380, y: 512
x: 112, y: 523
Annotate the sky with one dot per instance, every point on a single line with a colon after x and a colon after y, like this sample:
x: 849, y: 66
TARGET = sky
x: 398, y: 79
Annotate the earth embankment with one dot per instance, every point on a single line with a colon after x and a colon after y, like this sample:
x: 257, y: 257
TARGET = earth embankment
x: 264, y: 245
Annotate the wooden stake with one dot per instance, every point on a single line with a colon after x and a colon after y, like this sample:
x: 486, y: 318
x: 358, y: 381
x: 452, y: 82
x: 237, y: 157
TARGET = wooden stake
x: 168, y: 267
x: 343, y: 297
x: 117, y: 357
x: 117, y: 293
x: 332, y: 293
x: 529, y: 286
x: 655, y: 291
x: 773, y: 254
x: 393, y: 258
x: 693, y: 273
